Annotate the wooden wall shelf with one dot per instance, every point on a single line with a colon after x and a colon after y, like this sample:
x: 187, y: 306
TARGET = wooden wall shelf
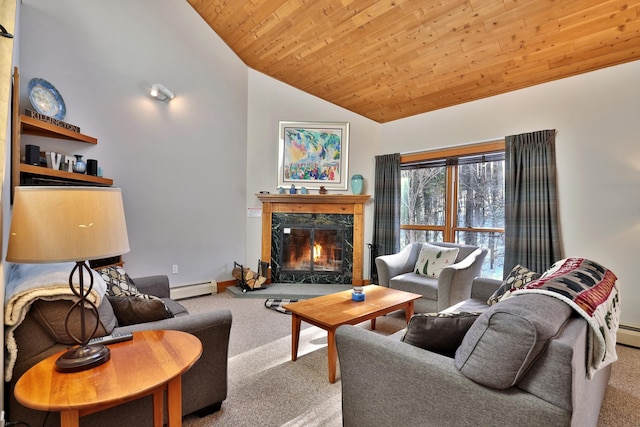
x: 71, y: 176
x: 32, y: 126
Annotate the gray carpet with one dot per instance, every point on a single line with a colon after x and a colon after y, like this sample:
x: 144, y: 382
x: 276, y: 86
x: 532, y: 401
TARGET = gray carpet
x: 267, y: 389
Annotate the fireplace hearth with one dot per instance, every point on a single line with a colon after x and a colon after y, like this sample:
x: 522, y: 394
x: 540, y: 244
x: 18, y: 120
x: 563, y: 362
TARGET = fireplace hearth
x: 313, y: 238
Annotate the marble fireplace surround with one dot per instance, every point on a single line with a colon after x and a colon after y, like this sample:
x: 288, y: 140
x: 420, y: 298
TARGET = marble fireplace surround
x: 317, y: 204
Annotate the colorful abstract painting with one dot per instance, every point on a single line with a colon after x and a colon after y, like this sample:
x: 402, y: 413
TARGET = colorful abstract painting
x: 313, y: 154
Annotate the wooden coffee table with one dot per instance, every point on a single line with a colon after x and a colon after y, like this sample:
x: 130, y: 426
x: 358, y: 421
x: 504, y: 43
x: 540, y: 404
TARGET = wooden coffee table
x: 149, y: 364
x: 333, y: 310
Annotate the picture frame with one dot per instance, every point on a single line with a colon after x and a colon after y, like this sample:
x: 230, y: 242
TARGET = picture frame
x: 313, y: 154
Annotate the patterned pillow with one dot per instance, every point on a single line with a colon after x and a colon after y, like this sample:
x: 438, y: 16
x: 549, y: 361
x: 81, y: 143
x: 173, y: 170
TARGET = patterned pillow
x: 433, y: 259
x: 118, y: 281
x: 517, y: 278
x: 439, y: 332
x: 119, y: 284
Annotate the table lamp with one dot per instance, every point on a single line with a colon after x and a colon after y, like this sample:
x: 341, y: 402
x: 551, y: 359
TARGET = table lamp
x: 62, y: 224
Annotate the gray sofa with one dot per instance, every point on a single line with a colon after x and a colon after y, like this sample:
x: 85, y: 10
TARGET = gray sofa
x: 454, y: 284
x: 407, y: 385
x: 204, y: 386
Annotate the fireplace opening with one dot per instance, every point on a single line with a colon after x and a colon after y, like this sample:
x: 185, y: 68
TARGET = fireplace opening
x: 312, y: 249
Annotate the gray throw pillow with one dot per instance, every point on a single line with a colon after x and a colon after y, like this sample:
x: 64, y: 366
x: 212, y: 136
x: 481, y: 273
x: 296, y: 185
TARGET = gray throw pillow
x: 439, y: 332
x: 508, y: 337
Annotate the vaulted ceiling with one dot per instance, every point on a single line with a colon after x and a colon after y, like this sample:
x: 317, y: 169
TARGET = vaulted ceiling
x: 391, y: 59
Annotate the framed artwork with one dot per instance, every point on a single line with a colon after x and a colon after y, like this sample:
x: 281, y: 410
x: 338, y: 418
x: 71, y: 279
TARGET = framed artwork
x: 313, y: 154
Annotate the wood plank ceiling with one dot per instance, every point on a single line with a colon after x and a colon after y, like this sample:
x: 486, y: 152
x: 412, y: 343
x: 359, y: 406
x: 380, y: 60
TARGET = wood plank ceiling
x: 391, y: 59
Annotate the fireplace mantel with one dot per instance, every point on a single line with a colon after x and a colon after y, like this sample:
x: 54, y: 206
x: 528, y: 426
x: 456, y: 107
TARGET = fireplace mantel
x: 313, y: 198
x: 317, y: 203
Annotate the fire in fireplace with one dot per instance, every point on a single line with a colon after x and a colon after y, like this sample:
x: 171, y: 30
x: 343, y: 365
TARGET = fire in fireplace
x: 310, y: 249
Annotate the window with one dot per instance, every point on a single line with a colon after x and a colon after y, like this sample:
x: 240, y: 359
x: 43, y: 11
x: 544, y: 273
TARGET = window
x: 456, y: 195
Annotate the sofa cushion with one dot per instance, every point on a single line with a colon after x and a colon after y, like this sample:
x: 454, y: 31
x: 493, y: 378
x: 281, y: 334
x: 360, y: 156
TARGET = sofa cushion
x: 517, y: 278
x: 438, y: 332
x: 130, y: 310
x: 433, y: 259
x: 507, y: 338
x: 411, y: 282
x: 51, y: 315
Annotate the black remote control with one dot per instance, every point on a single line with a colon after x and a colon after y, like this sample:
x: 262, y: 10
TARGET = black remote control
x: 110, y: 339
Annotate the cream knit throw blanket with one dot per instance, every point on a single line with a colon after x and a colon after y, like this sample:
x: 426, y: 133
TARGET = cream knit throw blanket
x: 30, y: 282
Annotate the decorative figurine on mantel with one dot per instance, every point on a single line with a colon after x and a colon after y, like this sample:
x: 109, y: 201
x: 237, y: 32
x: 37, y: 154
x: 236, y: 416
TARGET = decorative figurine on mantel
x: 280, y: 190
x: 292, y: 190
x: 322, y: 190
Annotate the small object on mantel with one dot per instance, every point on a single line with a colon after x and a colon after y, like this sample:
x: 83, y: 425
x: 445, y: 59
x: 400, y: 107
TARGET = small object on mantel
x: 280, y: 190
x: 292, y: 190
x: 322, y: 190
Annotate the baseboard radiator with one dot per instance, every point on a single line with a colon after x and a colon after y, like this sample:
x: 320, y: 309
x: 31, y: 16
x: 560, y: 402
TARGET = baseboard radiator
x: 629, y: 335
x: 194, y: 290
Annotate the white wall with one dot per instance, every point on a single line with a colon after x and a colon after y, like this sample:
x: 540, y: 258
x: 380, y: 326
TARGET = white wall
x: 181, y: 165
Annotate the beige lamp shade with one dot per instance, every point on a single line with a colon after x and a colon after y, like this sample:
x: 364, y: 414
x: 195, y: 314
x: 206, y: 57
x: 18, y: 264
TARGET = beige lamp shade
x: 61, y: 224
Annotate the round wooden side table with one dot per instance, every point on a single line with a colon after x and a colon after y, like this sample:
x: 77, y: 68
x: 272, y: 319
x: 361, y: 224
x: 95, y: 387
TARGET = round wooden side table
x: 153, y: 361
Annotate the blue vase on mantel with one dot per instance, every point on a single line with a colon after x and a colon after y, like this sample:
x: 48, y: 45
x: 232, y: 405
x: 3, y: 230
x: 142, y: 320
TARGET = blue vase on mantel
x: 357, y: 182
x: 79, y: 166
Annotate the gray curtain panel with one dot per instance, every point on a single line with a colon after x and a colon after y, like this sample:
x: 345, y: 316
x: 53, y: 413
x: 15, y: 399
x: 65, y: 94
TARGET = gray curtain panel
x: 386, y: 218
x: 532, y: 234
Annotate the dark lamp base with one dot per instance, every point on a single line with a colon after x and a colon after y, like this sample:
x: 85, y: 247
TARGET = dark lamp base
x: 81, y: 358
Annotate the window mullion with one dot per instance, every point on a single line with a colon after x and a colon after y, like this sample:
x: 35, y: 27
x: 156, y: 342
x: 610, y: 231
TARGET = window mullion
x: 451, y: 199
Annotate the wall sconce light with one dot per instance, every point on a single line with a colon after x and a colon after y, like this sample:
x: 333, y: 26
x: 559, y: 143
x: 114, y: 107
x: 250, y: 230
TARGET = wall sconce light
x: 160, y: 92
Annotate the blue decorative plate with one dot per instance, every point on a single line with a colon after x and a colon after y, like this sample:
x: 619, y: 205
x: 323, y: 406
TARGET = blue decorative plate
x: 46, y: 99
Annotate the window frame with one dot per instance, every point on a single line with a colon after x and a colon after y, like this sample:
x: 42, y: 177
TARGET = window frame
x: 450, y: 227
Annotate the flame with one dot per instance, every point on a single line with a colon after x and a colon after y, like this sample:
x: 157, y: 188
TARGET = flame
x: 317, y: 252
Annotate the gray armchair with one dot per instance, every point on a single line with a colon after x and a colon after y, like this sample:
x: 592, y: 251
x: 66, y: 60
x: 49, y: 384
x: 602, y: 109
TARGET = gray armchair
x: 454, y: 284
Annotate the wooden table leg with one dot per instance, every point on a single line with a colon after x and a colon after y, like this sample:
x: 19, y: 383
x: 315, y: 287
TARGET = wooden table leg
x: 158, y: 404
x: 332, y: 354
x: 69, y: 419
x: 295, y: 335
x: 409, y: 311
x: 174, y: 402
x: 373, y: 324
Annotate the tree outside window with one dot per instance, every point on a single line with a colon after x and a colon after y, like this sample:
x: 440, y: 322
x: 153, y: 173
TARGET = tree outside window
x: 456, y: 196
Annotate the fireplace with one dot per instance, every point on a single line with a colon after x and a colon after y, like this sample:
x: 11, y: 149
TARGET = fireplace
x: 311, y: 248
x: 313, y: 238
